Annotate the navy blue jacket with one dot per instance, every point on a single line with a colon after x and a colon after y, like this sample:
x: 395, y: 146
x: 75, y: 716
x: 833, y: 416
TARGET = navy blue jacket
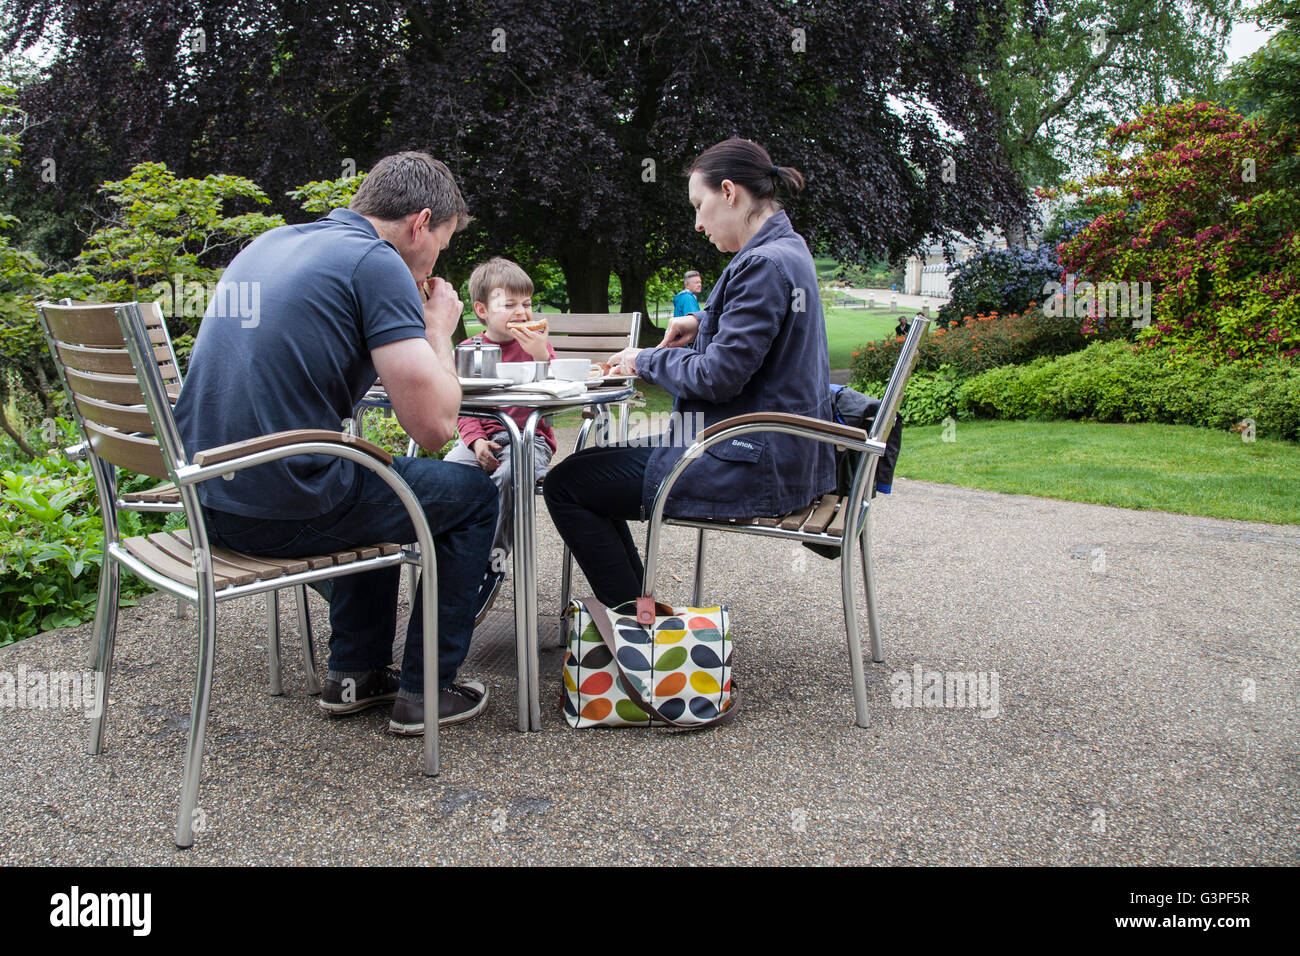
x: 761, y: 348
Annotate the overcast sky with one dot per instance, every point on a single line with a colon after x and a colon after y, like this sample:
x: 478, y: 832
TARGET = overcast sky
x: 1245, y: 39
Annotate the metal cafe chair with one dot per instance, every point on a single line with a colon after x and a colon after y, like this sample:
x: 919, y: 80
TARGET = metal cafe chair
x: 166, y: 498
x: 109, y: 368
x: 830, y: 520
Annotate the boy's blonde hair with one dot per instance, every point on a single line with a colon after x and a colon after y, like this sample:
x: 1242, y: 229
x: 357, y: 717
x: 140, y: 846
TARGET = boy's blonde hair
x: 498, y: 273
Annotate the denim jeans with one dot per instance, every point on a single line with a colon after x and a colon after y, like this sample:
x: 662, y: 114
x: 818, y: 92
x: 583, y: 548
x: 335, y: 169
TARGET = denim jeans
x: 461, y: 507
x: 592, y: 495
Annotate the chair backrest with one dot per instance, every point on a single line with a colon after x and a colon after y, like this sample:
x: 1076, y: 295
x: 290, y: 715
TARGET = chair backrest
x: 156, y: 325
x: 113, y: 368
x: 903, y: 367
x: 592, y: 336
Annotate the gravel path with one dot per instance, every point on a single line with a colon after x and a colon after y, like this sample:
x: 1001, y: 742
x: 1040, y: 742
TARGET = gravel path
x: 1145, y: 713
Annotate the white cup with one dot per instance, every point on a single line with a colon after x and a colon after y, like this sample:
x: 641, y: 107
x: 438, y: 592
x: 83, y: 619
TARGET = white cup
x: 518, y: 372
x: 570, y: 370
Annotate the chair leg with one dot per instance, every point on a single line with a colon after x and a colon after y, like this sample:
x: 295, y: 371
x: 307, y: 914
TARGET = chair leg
x: 566, y: 590
x: 698, y: 594
x: 207, y: 626
x: 412, y: 580
x: 869, y: 585
x: 180, y: 608
x: 101, y: 648
x: 273, y: 641
x: 308, y: 648
x: 855, y: 641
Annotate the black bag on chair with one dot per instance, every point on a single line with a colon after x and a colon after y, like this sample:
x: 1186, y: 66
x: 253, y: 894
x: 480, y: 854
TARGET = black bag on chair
x: 851, y: 407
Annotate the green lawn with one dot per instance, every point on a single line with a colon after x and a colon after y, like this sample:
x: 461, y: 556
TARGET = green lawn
x: 849, y: 329
x: 1163, y: 467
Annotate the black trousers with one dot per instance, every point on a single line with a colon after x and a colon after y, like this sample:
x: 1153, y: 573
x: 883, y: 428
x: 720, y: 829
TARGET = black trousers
x: 591, y: 496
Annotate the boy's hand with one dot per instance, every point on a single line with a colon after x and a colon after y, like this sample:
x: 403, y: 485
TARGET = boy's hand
x: 484, y: 450
x: 534, y: 343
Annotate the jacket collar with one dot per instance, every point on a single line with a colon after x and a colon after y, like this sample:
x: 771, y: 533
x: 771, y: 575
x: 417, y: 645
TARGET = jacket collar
x: 775, y: 227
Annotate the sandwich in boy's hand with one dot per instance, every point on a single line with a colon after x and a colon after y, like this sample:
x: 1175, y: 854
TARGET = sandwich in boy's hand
x: 529, y: 322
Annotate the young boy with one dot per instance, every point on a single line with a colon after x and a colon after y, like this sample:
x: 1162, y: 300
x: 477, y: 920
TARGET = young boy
x: 502, y: 292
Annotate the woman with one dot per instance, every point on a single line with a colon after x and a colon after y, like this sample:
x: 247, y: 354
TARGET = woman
x: 758, y: 345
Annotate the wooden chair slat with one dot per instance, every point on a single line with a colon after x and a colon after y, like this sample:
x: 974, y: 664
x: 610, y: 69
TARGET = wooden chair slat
x: 822, y: 514
x: 156, y: 495
x: 113, y: 361
x: 265, y: 568
x: 611, y: 323
x: 767, y: 522
x: 588, y: 343
x: 162, y: 562
x: 225, y: 573
x: 836, y: 527
x: 118, y: 389
x: 141, y: 455
x: 795, y: 519
x: 122, y: 417
x: 93, y: 325
x: 316, y: 562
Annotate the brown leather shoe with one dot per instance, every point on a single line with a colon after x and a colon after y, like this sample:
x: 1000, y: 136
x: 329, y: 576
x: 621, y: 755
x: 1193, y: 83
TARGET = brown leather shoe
x: 351, y: 696
x: 460, y: 702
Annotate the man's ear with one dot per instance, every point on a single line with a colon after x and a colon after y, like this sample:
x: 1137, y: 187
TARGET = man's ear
x: 420, y: 220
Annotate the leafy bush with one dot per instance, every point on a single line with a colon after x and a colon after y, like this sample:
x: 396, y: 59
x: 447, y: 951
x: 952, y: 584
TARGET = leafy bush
x: 52, y: 546
x: 999, y: 280
x: 1117, y: 381
x: 1193, y: 204
x: 986, y: 341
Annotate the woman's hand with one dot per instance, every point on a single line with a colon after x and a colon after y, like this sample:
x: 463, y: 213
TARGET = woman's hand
x: 681, y: 331
x: 624, y: 362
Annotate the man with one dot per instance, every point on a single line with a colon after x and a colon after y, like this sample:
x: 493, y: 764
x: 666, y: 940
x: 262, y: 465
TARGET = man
x: 339, y: 302
x: 687, y: 301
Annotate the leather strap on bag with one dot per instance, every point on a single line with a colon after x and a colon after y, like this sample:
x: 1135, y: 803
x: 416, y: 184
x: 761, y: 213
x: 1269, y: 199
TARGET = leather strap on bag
x: 600, y: 618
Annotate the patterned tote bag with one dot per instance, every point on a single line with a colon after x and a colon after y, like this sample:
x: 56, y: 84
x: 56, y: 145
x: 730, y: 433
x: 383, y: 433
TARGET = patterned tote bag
x: 645, y: 664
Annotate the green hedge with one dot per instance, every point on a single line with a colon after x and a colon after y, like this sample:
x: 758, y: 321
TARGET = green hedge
x: 1119, y: 382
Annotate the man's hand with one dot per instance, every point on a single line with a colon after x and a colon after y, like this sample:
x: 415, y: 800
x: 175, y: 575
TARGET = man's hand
x: 442, y: 308
x: 534, y: 343
x: 485, y: 451
x: 681, y: 331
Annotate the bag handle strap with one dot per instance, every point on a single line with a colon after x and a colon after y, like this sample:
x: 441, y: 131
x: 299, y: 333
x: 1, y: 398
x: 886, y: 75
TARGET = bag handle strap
x: 600, y: 617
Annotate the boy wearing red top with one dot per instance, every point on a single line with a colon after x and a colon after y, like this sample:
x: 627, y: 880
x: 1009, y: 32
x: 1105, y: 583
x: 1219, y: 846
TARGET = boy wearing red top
x: 502, y: 292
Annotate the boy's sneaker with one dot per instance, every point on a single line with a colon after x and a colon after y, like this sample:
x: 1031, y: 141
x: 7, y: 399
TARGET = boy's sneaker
x: 456, y: 704
x: 351, y: 695
x: 488, y: 589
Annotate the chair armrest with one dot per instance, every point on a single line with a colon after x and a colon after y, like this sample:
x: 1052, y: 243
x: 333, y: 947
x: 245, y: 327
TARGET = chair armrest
x: 830, y: 429
x: 224, y: 453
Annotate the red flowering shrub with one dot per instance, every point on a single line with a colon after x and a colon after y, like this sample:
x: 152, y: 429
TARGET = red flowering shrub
x: 985, y: 340
x: 1192, y: 207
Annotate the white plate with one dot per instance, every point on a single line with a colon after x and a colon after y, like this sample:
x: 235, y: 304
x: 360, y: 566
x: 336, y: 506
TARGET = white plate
x: 470, y: 385
x: 611, y: 380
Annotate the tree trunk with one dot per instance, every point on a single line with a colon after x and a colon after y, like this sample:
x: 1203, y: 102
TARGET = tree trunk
x: 25, y: 448
x: 634, y: 285
x: 1014, y: 232
x: 586, y: 274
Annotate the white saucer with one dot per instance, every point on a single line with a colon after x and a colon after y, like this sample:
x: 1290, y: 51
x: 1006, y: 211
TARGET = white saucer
x: 470, y: 385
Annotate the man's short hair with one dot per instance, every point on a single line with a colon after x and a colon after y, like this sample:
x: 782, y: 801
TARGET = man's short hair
x: 689, y: 275
x: 498, y: 273
x: 404, y: 183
